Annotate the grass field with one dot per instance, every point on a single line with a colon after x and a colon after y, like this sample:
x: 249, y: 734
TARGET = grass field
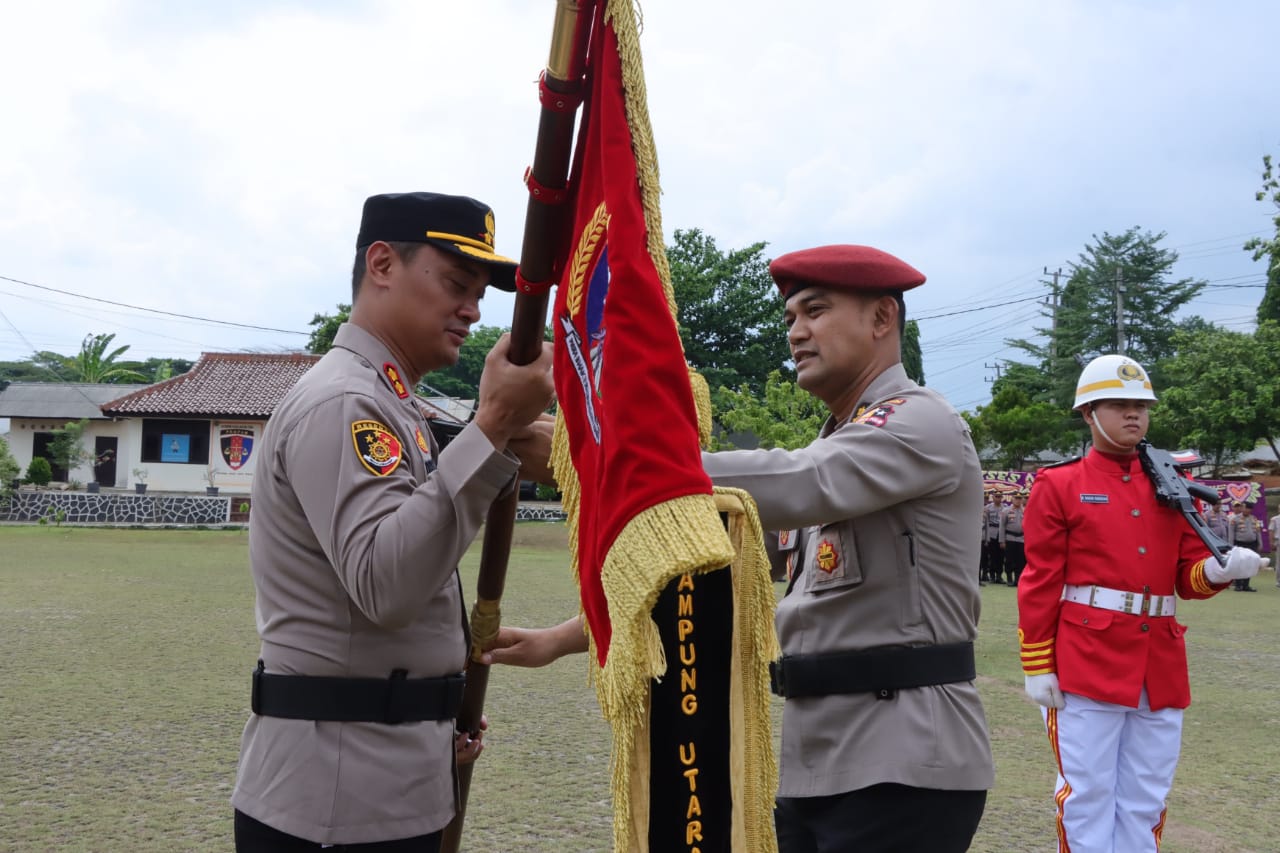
x: 124, y: 687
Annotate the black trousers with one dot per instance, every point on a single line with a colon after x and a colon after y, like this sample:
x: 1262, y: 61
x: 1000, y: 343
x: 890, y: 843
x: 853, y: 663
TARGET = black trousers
x: 886, y: 818
x: 995, y: 559
x: 254, y: 836
x: 1015, y: 560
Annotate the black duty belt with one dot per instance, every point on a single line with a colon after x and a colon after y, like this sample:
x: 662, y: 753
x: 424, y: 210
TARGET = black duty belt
x: 882, y: 671
x: 397, y: 699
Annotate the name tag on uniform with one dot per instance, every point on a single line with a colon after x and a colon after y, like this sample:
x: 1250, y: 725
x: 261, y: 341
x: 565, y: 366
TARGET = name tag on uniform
x: 1095, y: 499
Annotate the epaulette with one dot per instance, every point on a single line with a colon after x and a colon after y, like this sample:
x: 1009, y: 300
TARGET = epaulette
x: 1071, y: 461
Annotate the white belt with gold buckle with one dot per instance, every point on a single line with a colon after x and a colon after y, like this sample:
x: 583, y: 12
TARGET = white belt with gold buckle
x: 1136, y: 603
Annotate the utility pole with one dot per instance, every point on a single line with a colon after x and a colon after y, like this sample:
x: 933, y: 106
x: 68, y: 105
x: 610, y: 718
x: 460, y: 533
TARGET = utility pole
x: 1053, y: 316
x: 1119, y: 311
x: 997, y: 367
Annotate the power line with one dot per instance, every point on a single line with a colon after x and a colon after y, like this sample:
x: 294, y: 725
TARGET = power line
x: 152, y: 310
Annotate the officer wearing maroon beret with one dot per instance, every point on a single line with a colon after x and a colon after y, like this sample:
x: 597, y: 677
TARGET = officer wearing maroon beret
x: 359, y: 522
x: 884, y: 740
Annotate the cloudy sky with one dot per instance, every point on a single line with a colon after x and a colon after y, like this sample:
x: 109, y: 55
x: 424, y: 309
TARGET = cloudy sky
x: 210, y: 160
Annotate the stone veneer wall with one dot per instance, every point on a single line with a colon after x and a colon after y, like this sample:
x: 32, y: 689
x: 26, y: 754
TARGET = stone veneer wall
x: 113, y: 508
x: 168, y: 509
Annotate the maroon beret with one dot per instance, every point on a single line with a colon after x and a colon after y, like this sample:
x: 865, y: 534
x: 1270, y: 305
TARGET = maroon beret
x: 843, y: 268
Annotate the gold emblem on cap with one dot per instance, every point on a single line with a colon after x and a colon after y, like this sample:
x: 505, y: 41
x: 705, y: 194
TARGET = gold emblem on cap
x: 488, y: 228
x: 1129, y: 372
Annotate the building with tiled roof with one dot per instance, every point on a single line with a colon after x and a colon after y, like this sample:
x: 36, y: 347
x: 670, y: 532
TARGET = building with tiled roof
x: 178, y: 435
x: 219, y: 385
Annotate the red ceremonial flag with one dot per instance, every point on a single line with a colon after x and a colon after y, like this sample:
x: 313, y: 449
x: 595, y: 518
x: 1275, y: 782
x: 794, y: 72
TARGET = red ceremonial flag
x: 680, y: 621
x: 621, y: 379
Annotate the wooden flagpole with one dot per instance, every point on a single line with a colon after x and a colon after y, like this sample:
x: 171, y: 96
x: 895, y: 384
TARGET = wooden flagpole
x: 546, y: 226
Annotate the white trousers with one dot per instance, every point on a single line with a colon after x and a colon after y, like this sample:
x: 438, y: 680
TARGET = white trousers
x: 1115, y: 768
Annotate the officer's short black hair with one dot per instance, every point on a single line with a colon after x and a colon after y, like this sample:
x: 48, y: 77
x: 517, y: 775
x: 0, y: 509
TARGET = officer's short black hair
x: 404, y: 250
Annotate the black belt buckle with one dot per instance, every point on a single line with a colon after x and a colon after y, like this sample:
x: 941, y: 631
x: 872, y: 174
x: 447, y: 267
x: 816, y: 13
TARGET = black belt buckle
x: 393, y: 712
x: 255, y: 695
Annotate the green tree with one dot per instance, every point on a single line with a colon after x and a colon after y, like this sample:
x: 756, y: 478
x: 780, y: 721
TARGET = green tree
x: 94, y: 364
x: 912, y: 357
x: 1269, y: 247
x: 9, y: 467
x: 1020, y: 427
x: 783, y: 416
x: 67, y: 449
x: 326, y: 326
x: 1085, y: 320
x: 728, y: 313
x: 1223, y: 392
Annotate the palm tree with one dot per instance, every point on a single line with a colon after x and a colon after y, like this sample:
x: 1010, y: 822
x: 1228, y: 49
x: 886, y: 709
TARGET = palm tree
x: 93, y: 364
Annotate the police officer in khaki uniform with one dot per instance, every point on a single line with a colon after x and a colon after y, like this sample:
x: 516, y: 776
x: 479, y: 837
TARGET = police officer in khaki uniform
x: 1246, y: 531
x: 1011, y: 540
x: 884, y: 740
x: 359, y: 523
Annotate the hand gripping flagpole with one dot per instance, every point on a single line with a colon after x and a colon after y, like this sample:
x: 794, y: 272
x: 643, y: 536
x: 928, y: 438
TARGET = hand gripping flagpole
x: 546, y: 230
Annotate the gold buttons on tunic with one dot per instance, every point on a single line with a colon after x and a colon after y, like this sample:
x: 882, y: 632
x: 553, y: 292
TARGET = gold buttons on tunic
x: 1136, y: 513
x: 1146, y: 627
x: 1125, y: 478
x: 1142, y: 549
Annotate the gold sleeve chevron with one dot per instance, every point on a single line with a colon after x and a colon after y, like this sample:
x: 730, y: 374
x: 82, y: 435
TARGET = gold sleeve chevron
x: 1201, y: 584
x: 1037, y: 658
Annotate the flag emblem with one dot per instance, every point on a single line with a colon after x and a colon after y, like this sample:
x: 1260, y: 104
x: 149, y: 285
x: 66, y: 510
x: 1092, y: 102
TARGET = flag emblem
x: 377, y: 447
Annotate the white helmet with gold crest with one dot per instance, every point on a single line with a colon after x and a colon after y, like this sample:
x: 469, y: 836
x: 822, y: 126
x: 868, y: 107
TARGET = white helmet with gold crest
x: 1112, y: 377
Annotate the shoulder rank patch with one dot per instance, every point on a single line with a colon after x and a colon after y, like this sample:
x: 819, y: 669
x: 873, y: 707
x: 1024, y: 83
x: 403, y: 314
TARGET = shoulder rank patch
x: 878, y: 414
x: 378, y: 448
x: 393, y: 376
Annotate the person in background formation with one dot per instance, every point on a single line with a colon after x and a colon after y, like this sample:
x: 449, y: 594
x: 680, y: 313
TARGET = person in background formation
x: 885, y: 744
x: 1247, y: 532
x: 1011, y: 539
x: 1216, y: 519
x: 982, y: 544
x: 991, y: 537
x: 1273, y: 530
x: 359, y: 523
x: 1101, y: 650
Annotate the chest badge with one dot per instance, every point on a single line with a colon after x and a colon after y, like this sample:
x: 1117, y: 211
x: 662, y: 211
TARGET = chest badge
x: 393, y: 376
x: 376, y: 446
x: 1095, y: 499
x: 828, y: 559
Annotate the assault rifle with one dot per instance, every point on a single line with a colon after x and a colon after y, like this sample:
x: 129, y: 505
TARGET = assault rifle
x: 1174, y: 490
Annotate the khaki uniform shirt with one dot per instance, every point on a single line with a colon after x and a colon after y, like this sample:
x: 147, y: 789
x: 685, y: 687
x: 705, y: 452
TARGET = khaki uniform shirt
x: 887, y: 502
x: 1245, y: 529
x: 354, y: 547
x: 1011, y: 524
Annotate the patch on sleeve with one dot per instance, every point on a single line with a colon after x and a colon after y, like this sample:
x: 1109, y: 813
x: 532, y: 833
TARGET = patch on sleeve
x: 393, y: 376
x: 879, y: 414
x: 378, y: 448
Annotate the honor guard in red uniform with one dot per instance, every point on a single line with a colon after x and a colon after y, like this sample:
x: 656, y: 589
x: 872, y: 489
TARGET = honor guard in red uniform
x: 1102, y: 650
x: 359, y: 522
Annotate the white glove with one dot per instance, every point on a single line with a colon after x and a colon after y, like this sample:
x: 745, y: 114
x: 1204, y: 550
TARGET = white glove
x: 1241, y: 563
x: 1044, y: 690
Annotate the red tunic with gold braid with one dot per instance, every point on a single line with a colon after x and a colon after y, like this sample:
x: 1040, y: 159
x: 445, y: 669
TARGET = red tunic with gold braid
x: 1096, y: 521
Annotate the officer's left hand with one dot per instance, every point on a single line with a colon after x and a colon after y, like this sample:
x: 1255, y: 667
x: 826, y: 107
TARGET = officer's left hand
x: 467, y: 748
